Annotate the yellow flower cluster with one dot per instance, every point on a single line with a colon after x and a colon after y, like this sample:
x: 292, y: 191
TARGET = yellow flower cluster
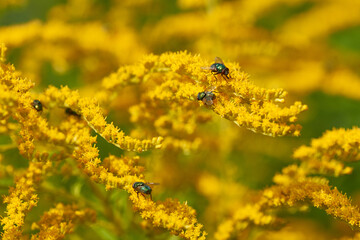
x: 122, y: 173
x: 177, y: 78
x: 327, y: 154
x: 92, y: 113
x: 321, y: 196
x: 115, y: 172
x: 295, y: 186
x: 170, y: 214
x: 294, y: 194
x: 61, y: 220
x: 21, y: 199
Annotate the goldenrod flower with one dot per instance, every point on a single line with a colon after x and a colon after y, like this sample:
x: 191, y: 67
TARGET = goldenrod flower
x: 21, y: 199
x: 17, y: 101
x: 295, y: 185
x: 327, y: 153
x: 92, y: 113
x: 121, y: 173
x: 176, y: 217
x: 321, y: 196
x: 318, y: 193
x: 61, y: 220
x: 177, y: 78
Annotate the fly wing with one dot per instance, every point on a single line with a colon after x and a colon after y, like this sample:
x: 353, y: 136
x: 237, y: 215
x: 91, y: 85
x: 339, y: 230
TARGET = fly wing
x: 212, y: 88
x: 206, y: 68
x: 218, y: 60
x: 212, y: 68
x: 152, y: 183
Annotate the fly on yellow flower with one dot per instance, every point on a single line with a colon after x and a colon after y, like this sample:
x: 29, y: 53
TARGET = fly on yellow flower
x: 218, y: 68
x: 143, y: 188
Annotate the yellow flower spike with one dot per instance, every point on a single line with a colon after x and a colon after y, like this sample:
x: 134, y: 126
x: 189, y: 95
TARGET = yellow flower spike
x: 321, y: 196
x: 325, y: 155
x: 114, y: 173
x: 17, y: 101
x: 122, y: 173
x: 61, y: 220
x: 316, y: 191
x: 172, y: 215
x: 92, y: 114
x: 22, y: 199
x: 123, y: 166
x: 295, y: 187
x: 177, y: 78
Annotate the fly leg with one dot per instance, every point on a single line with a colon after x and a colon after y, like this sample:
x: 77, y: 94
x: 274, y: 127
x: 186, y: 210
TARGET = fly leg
x: 215, y: 73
